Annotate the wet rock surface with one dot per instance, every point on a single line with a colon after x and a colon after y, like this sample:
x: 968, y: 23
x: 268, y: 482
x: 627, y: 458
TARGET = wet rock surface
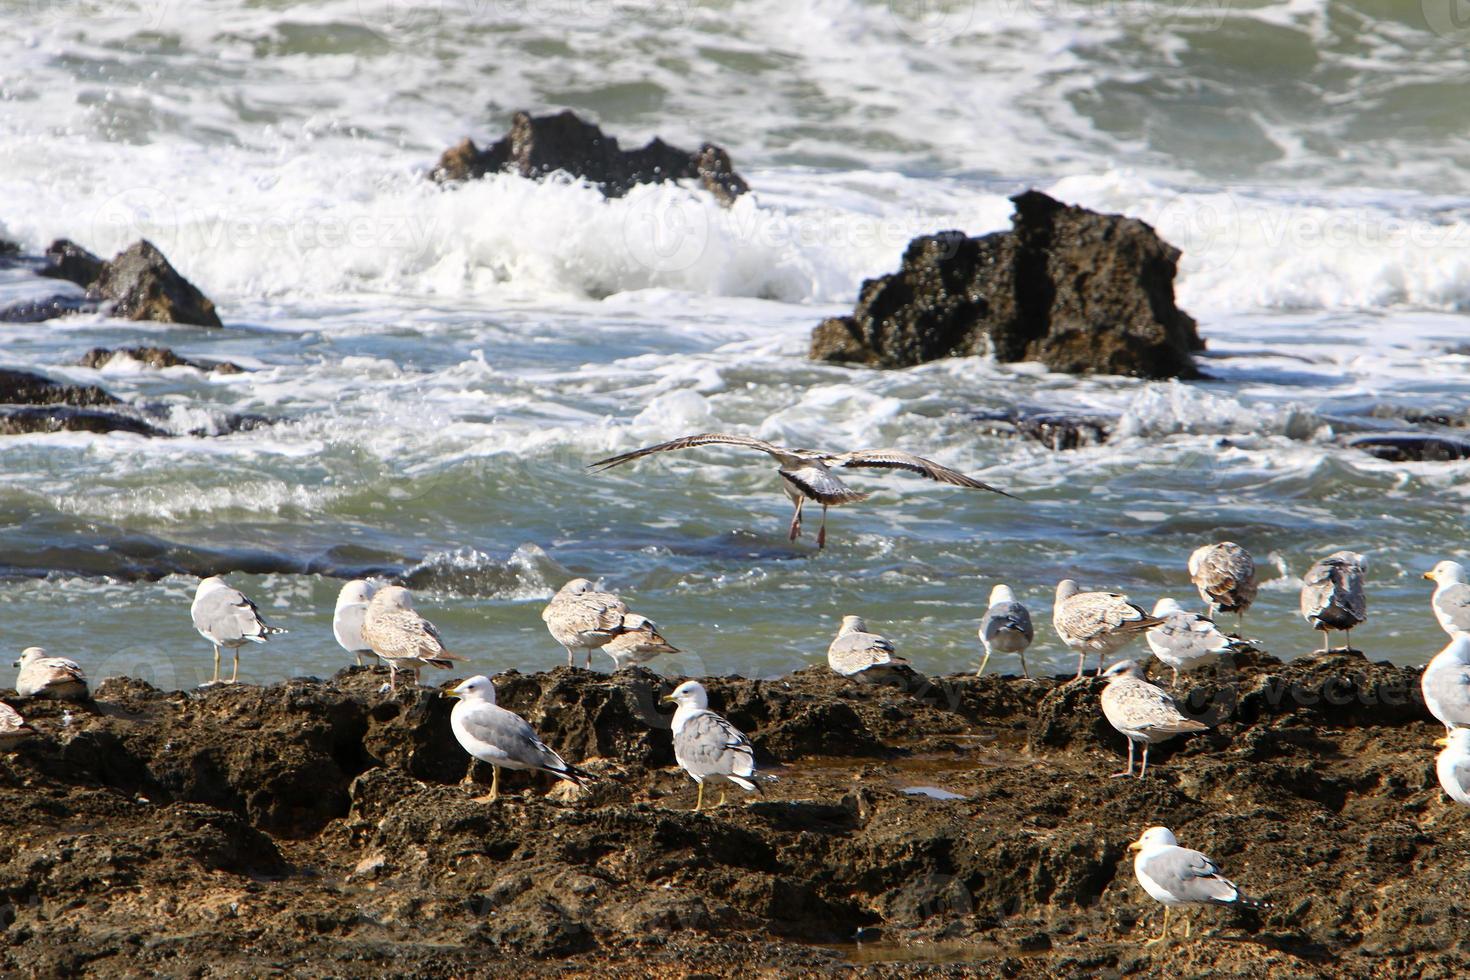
x: 1054, y: 430
x: 154, y: 357
x: 1081, y: 292
x: 962, y: 824
x: 564, y: 142
x: 1417, y: 447
x: 139, y: 283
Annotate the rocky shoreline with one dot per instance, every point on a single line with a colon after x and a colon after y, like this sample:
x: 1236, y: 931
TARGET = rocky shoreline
x: 964, y: 825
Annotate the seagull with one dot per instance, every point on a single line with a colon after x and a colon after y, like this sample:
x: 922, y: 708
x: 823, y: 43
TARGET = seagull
x: 639, y: 642
x: 1446, y: 684
x: 1006, y: 627
x: 352, y: 604
x: 1453, y: 765
x: 1451, y: 599
x: 1101, y: 621
x: 581, y: 618
x: 13, y: 728
x: 1185, y: 640
x: 806, y: 474
x: 1175, y: 875
x: 708, y: 747
x: 859, y: 654
x: 1225, y: 575
x: 402, y: 638
x: 502, y: 738
x: 1332, y: 595
x: 1141, y: 711
x: 49, y: 677
x: 224, y: 617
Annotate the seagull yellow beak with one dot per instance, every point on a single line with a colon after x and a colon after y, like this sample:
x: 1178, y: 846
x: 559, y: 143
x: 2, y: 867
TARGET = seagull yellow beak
x: 666, y: 697
x: 453, y: 694
x: 1136, y: 846
x: 1442, y: 741
x: 1429, y: 575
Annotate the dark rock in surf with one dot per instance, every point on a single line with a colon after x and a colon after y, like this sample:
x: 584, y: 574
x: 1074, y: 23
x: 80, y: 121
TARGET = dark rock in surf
x: 540, y: 145
x: 154, y: 357
x: 21, y: 419
x: 1054, y: 430
x: 26, y: 388
x: 1081, y: 292
x: 1413, y: 447
x: 142, y: 285
x: 65, y: 259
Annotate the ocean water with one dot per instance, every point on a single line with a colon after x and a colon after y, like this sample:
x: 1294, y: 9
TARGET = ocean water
x: 440, y: 365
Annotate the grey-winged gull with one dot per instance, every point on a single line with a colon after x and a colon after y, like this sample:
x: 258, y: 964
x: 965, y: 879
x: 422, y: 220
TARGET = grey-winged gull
x: 1332, y: 595
x: 1446, y: 684
x: 1104, y: 622
x: 861, y: 655
x: 1225, y: 575
x: 639, y: 642
x: 13, y: 728
x: 1142, y: 712
x: 581, y: 618
x: 57, y: 678
x: 1184, y: 641
x: 709, y: 748
x: 352, y: 603
x: 1175, y: 876
x: 806, y: 474
x: 500, y: 737
x: 226, y: 618
x: 402, y: 638
x: 1453, y: 765
x: 1006, y: 628
x: 1451, y: 599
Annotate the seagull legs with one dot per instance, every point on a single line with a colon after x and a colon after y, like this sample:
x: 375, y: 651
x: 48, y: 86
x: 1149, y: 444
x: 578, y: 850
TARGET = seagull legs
x: 216, y: 667
x: 494, y: 793
x: 1326, y: 642
x: 1164, y: 933
x: 822, y: 531
x: 699, y: 799
x: 796, y: 520
x: 235, y: 670
x: 1081, y: 665
x: 1129, y: 770
x: 569, y: 657
x: 1144, y: 768
x: 983, y: 661
x: 1024, y: 672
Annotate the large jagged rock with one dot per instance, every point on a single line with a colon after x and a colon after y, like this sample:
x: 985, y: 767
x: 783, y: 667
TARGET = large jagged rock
x: 564, y: 142
x: 1081, y: 292
x: 142, y: 285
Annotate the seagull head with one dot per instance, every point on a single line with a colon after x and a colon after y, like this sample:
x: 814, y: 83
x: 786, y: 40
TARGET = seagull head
x: 852, y: 624
x: 210, y: 584
x: 392, y: 597
x: 1125, y: 668
x: 576, y: 587
x: 1457, y: 741
x: 1167, y: 607
x: 477, y: 688
x: 29, y: 654
x: 1067, y: 588
x: 354, y: 592
x: 689, y: 694
x: 1154, y: 837
x: 1001, y: 593
x: 1446, y: 573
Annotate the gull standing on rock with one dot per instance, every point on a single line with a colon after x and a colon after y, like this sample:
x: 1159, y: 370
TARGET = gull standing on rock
x: 1453, y: 765
x: 502, y: 738
x: 1142, y: 712
x: 402, y: 638
x: 639, y: 642
x: 1174, y: 876
x: 352, y: 603
x: 1101, y: 621
x: 1446, y: 684
x: 13, y: 728
x: 806, y: 474
x: 1332, y: 595
x: 1006, y: 627
x: 581, y: 618
x: 49, y: 677
x: 864, y: 656
x: 1451, y: 599
x: 708, y: 747
x: 225, y: 618
x: 1225, y: 575
x: 1184, y: 640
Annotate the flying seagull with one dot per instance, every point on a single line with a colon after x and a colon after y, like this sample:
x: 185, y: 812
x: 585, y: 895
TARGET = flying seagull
x: 806, y: 474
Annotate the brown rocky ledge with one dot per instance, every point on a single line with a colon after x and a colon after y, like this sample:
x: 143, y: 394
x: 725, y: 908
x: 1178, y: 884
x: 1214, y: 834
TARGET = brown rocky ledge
x: 966, y: 828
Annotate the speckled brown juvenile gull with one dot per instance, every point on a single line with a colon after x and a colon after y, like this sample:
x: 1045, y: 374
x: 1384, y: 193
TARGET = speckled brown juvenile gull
x: 1225, y: 575
x: 1143, y: 712
x: 49, y: 677
x: 1332, y: 595
x: 1103, y: 622
x: 402, y: 638
x: 806, y: 474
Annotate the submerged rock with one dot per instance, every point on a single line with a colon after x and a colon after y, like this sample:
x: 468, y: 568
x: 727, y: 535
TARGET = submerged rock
x: 1054, y: 430
x: 322, y: 820
x: 34, y: 403
x: 155, y: 357
x: 1081, y: 292
x: 27, y: 388
x: 564, y: 142
x: 1413, y: 447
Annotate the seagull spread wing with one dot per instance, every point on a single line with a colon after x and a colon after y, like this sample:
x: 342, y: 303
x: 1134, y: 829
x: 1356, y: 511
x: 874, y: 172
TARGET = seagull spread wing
x: 897, y: 459
x: 689, y: 442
